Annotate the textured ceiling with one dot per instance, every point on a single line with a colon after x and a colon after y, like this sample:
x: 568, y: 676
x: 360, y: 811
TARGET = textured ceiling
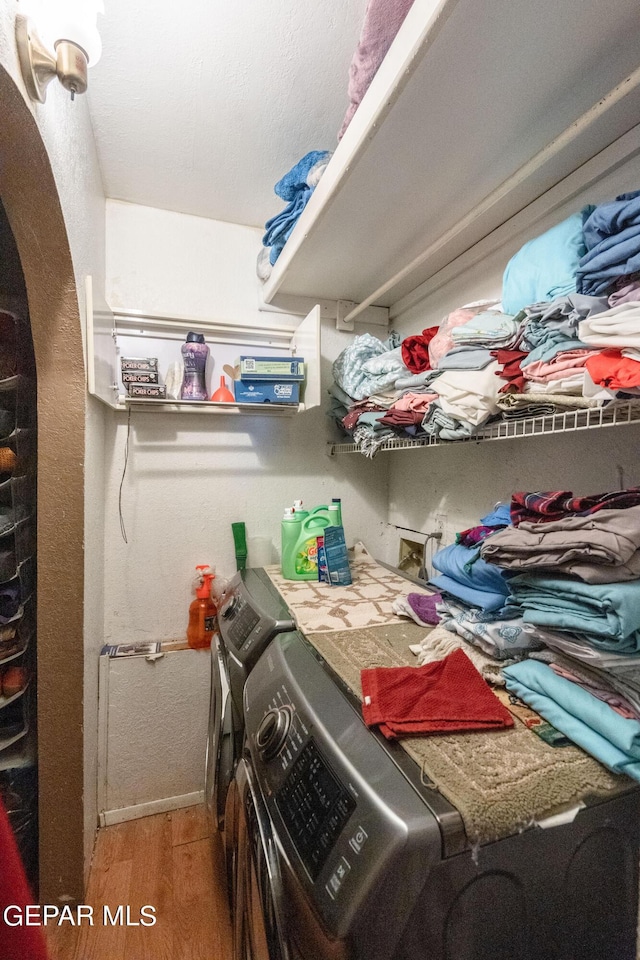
x: 201, y: 106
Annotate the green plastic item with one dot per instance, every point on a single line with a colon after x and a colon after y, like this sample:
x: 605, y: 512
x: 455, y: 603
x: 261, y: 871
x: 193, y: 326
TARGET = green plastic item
x: 300, y: 562
x: 289, y: 532
x: 240, y: 542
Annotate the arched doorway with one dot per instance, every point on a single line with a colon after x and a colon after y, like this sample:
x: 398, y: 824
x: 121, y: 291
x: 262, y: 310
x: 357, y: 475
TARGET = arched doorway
x: 30, y: 199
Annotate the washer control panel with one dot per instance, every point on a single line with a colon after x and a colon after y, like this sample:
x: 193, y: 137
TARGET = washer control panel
x: 314, y: 807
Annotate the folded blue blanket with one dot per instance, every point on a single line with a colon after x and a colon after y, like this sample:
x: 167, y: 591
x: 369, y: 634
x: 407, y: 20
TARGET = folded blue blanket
x: 545, y: 267
x: 587, y: 721
x: 612, y: 240
x: 470, y: 578
x: 606, y: 615
x: 483, y: 599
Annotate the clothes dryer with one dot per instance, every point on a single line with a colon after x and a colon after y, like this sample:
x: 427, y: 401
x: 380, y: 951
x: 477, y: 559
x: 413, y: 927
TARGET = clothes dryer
x: 344, y: 854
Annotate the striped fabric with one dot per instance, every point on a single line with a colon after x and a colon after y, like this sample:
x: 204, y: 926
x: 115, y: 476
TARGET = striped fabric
x: 539, y: 507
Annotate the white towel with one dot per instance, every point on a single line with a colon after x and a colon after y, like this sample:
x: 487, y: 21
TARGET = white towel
x: 617, y: 328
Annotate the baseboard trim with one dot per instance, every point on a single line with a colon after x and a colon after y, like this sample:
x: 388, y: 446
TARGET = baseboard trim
x: 108, y: 817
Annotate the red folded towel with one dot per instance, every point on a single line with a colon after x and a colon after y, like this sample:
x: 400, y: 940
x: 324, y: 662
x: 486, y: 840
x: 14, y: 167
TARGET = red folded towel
x: 442, y: 697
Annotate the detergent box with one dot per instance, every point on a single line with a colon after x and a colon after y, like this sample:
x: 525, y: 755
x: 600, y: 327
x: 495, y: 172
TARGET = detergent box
x: 261, y: 391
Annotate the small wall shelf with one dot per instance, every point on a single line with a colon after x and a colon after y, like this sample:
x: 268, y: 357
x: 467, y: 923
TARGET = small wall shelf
x: 111, y: 334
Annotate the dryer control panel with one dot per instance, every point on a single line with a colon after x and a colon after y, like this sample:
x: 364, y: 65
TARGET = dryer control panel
x: 251, y: 613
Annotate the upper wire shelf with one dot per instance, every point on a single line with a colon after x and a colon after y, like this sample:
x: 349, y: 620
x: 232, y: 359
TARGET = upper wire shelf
x: 613, y: 415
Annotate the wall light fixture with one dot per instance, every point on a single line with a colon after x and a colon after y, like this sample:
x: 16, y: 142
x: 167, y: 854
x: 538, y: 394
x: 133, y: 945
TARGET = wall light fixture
x: 69, y: 28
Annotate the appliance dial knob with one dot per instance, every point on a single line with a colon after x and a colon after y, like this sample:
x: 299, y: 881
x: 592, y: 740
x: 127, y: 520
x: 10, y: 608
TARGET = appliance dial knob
x: 272, y: 732
x: 229, y: 607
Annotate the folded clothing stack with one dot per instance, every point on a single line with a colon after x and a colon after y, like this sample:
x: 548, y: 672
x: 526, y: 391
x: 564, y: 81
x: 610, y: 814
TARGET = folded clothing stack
x: 579, y: 591
x: 578, y: 564
x: 442, y: 697
x: 602, y: 547
x: 612, y: 244
x: 584, y: 718
x: 564, y: 338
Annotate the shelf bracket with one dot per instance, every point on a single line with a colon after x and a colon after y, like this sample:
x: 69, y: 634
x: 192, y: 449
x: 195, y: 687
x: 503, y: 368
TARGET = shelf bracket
x: 377, y: 316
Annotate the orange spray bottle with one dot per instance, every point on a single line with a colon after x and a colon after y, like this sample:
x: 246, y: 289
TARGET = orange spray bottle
x: 202, y: 611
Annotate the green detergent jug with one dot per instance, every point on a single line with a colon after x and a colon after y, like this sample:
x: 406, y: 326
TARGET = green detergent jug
x: 290, y: 534
x: 302, y: 562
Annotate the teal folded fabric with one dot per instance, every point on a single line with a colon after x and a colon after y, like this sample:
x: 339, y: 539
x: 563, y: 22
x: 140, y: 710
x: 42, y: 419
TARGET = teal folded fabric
x: 545, y: 267
x: 587, y: 721
x: 606, y: 615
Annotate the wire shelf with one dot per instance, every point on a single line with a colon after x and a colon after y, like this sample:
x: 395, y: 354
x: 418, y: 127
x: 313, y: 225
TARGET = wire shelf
x: 613, y: 415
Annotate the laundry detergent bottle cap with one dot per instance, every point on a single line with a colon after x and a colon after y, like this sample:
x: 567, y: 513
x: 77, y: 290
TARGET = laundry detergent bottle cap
x: 302, y: 563
x: 299, y: 510
x: 203, y: 612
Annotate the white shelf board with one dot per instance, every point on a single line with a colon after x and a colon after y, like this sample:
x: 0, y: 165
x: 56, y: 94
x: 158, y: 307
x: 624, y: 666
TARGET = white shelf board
x: 477, y: 110
x: 614, y: 415
x: 151, y: 405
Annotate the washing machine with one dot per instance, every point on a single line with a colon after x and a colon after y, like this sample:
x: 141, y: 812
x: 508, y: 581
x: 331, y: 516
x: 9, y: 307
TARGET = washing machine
x: 345, y: 854
x: 252, y: 612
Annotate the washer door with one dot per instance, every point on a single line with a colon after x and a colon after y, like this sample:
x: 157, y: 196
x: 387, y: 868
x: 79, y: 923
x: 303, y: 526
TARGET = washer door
x: 220, y: 760
x: 259, y: 917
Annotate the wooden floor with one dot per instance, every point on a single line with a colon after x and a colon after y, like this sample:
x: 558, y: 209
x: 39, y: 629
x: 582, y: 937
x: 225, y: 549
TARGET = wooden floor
x: 170, y: 862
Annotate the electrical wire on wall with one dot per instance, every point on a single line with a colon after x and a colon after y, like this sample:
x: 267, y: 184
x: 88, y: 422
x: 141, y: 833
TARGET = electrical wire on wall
x: 124, y: 471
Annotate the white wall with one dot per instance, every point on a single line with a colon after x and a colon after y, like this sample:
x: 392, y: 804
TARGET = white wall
x: 463, y: 481
x: 190, y: 476
x: 65, y: 128
x: 179, y: 265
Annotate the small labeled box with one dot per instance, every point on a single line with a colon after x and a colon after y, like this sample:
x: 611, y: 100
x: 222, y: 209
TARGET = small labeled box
x: 271, y: 368
x: 139, y: 376
x: 259, y: 391
x: 150, y: 391
x: 139, y: 364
